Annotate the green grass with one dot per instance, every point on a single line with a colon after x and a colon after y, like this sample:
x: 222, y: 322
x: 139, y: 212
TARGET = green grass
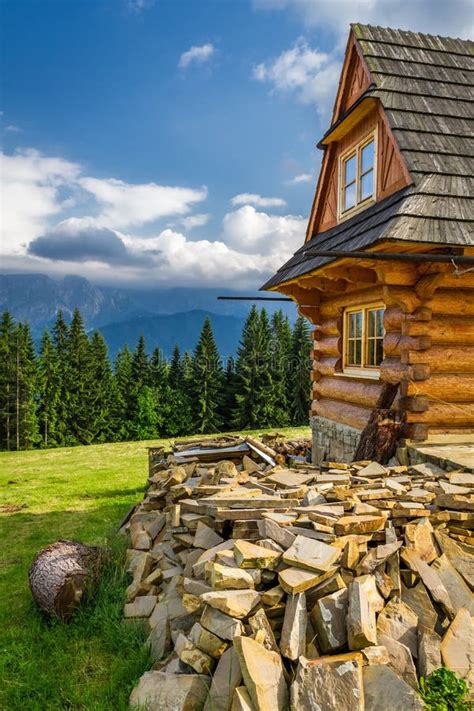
x: 82, y: 493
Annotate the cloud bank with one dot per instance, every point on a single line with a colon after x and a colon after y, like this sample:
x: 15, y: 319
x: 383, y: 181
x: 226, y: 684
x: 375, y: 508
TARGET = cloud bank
x: 57, y: 218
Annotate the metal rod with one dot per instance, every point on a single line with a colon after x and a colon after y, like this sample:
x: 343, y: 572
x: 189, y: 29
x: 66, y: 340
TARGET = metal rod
x: 253, y: 298
x: 420, y: 257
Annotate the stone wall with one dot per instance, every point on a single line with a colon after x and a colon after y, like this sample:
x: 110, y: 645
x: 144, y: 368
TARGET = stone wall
x: 333, y: 441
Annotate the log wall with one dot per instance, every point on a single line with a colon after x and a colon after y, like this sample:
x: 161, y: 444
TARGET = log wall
x: 428, y: 352
x: 337, y: 396
x: 428, y: 344
x: 442, y: 400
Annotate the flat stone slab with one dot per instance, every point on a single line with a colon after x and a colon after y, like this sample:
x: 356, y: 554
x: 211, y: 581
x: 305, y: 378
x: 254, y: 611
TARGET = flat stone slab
x: 329, y: 617
x: 249, y: 555
x: 235, y: 603
x: 142, y: 606
x: 385, y: 690
x: 263, y: 675
x: 227, y: 677
x: 457, y: 647
x: 310, y: 554
x: 157, y: 690
x: 296, y: 580
x: 329, y: 683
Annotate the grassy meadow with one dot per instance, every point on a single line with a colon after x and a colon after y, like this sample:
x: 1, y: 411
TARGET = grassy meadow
x: 81, y: 493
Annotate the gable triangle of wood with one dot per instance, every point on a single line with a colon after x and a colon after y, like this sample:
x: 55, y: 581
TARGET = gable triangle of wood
x: 392, y: 173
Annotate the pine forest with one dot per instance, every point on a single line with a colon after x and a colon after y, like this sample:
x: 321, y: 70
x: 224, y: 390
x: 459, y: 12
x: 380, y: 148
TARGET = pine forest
x: 67, y: 392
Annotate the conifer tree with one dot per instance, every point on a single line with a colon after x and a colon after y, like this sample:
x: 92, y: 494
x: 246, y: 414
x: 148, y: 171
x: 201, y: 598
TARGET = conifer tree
x: 140, y: 365
x: 176, y: 369
x: 122, y: 406
x: 255, y: 400
x: 7, y: 381
x: 145, y: 420
x: 49, y: 388
x: 206, y: 383
x: 230, y: 388
x: 79, y: 383
x: 60, y: 337
x: 175, y: 407
x: 25, y: 388
x: 103, y: 391
x: 280, y: 350
x: 299, y: 381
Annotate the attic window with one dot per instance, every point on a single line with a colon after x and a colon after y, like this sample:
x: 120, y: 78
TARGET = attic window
x: 357, y: 177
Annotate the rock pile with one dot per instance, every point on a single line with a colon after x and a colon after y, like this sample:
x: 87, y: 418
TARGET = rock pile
x: 265, y: 587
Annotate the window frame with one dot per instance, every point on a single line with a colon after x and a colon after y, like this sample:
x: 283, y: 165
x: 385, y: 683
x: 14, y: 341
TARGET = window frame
x: 356, y: 150
x: 364, y: 370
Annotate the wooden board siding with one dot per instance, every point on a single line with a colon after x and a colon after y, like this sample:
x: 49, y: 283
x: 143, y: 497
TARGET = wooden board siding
x: 391, y: 172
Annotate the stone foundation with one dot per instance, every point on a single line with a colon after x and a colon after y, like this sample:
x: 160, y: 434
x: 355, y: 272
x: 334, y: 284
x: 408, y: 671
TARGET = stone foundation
x: 333, y: 441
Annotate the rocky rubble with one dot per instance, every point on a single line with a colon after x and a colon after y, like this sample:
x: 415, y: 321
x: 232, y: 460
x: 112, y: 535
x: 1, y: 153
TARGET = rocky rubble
x: 267, y: 586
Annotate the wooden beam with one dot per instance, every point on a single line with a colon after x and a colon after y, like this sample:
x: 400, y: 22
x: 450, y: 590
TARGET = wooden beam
x: 343, y: 412
x: 443, y: 359
x: 355, y: 391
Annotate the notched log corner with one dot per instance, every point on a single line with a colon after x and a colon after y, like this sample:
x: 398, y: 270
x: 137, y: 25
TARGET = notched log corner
x: 61, y: 573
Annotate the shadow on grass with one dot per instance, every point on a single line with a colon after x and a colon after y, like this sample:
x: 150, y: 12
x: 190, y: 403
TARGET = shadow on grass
x: 136, y: 491
x: 92, y: 662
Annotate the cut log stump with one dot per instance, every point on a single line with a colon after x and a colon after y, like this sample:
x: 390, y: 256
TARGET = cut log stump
x: 59, y: 576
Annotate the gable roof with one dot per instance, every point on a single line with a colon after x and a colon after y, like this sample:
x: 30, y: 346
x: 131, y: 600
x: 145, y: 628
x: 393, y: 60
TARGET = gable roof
x: 425, y: 85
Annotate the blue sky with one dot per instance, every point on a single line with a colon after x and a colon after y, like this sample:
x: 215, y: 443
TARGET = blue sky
x: 170, y: 142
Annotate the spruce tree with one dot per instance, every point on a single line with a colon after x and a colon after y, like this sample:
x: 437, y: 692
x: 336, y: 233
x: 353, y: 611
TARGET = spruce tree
x: 103, y: 391
x: 230, y: 387
x: 299, y: 384
x: 255, y: 400
x: 60, y: 337
x: 7, y: 381
x: 79, y: 383
x: 122, y: 406
x: 206, y: 383
x: 176, y: 368
x: 25, y: 385
x: 140, y: 365
x: 175, y: 407
x: 159, y: 372
x: 49, y: 388
x: 145, y: 421
x: 280, y: 344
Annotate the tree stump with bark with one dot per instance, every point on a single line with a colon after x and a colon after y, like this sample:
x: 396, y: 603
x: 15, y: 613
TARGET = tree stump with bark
x: 60, y: 574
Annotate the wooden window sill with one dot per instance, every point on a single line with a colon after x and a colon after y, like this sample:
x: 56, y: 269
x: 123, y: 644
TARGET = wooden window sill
x: 363, y: 374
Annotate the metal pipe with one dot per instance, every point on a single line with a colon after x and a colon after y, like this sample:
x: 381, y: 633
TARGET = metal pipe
x: 420, y: 257
x: 253, y: 298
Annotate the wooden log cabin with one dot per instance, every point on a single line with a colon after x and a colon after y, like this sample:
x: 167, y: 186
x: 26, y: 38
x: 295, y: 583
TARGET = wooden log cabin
x: 386, y: 272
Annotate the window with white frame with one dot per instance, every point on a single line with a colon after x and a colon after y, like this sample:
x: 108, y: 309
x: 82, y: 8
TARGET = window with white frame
x: 363, y: 338
x: 357, y: 176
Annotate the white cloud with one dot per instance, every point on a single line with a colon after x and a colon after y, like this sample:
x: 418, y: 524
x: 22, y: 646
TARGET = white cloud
x: 58, y: 221
x: 198, y: 55
x: 301, y: 178
x: 11, y: 128
x: 453, y: 18
x: 124, y: 205
x: 258, y: 200
x: 194, y: 221
x: 30, y: 188
x: 256, y: 232
x: 308, y: 73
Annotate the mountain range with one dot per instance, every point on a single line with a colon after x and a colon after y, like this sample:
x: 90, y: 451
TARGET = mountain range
x: 166, y: 317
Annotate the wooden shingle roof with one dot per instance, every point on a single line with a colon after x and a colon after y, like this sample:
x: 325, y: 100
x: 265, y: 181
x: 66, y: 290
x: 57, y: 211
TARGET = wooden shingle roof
x: 425, y: 84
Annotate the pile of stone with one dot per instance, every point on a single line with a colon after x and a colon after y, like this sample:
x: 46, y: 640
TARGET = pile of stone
x: 266, y: 588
